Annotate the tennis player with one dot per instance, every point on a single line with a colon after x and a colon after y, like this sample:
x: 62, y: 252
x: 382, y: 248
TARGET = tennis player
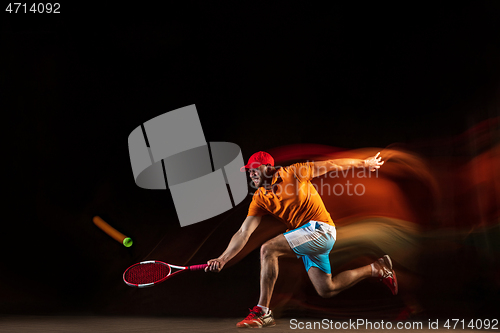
x: 287, y: 194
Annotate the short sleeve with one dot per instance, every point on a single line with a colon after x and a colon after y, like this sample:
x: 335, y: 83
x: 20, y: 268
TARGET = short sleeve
x: 255, y: 210
x: 303, y: 171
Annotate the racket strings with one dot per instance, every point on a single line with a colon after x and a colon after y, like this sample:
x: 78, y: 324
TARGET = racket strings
x: 147, y: 273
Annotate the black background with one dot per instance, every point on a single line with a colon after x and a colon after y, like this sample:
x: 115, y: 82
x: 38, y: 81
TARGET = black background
x: 75, y: 84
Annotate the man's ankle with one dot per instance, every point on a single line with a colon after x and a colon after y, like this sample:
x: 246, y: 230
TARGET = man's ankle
x: 264, y: 309
x: 376, y: 271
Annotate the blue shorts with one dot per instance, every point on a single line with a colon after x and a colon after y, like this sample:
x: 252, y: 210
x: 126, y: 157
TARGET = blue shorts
x: 313, y: 242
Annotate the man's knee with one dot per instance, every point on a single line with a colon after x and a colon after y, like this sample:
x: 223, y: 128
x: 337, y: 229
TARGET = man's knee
x: 326, y: 292
x: 323, y: 283
x: 323, y: 293
x: 267, y: 250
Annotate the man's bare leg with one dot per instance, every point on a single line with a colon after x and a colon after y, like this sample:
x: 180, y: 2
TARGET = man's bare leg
x: 261, y: 315
x: 269, y: 254
x: 328, y: 286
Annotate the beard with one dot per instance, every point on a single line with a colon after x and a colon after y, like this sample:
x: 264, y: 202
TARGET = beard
x: 258, y: 184
x: 262, y: 179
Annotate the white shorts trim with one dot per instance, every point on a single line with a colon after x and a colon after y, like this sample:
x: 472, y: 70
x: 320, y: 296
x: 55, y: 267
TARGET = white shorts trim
x: 309, y: 232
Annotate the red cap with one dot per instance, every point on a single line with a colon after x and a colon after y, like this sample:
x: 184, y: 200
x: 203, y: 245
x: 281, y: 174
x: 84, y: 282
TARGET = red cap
x: 257, y: 159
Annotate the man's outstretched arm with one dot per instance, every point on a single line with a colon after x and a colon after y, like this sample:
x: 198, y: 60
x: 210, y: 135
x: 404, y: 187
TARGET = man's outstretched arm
x: 238, y: 241
x: 322, y: 167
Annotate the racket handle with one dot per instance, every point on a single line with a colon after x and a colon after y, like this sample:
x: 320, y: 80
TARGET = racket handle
x: 198, y: 267
x: 118, y: 236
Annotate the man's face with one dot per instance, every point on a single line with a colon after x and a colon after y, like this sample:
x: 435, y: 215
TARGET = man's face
x: 258, y: 175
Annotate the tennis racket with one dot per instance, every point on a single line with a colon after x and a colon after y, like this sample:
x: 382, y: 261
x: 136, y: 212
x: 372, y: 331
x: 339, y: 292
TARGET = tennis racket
x: 149, y: 273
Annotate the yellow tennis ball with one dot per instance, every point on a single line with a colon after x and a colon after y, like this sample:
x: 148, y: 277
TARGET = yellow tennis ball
x: 127, y: 242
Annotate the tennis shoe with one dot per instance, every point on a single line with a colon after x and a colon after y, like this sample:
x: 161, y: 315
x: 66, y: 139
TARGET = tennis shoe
x: 387, y: 274
x: 257, y: 319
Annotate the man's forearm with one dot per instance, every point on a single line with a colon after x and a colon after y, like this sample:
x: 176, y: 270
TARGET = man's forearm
x: 340, y: 164
x: 235, y: 245
x: 322, y: 167
x: 345, y: 163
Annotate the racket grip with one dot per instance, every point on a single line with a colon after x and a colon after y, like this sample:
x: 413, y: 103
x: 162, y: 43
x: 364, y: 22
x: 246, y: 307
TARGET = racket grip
x: 198, y: 267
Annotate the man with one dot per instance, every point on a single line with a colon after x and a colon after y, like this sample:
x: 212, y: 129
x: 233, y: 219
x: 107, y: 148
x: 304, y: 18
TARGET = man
x: 288, y: 194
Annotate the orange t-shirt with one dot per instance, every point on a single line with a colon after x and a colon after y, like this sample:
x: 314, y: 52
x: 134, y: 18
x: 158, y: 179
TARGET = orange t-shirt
x: 293, y: 199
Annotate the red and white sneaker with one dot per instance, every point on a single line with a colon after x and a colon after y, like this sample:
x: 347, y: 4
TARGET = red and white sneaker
x: 257, y: 319
x: 387, y: 274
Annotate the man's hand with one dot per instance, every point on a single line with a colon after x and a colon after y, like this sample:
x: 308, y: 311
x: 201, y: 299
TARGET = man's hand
x: 373, y: 163
x: 214, y: 265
